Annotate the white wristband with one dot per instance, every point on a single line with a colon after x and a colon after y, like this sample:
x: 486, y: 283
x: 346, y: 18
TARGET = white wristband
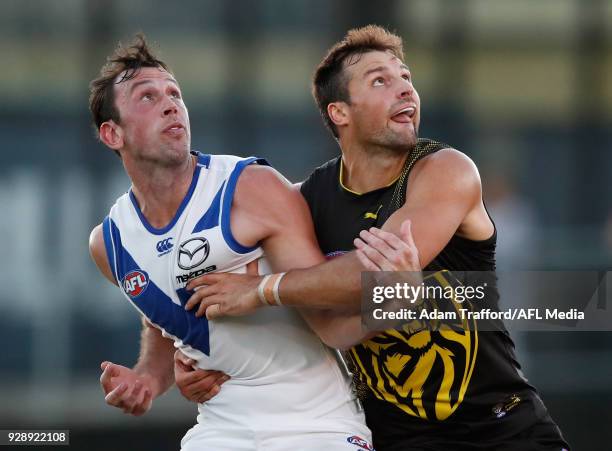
x: 260, y: 289
x: 275, y: 289
x: 267, y: 290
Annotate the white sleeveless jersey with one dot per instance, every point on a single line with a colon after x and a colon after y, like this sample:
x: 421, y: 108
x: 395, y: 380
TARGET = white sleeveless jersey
x: 282, y: 376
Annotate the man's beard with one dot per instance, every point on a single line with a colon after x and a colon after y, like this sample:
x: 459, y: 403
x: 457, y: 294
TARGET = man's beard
x: 168, y: 157
x: 393, y: 142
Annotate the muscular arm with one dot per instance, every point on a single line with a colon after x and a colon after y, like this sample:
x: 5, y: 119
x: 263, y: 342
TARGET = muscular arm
x: 156, y: 358
x: 154, y: 369
x: 267, y: 202
x: 444, y: 194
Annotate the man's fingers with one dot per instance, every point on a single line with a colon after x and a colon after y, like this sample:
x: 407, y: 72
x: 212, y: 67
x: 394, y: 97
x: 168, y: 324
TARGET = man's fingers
x: 214, y: 391
x: 107, y: 374
x: 147, y: 400
x: 406, y: 233
x: 213, y: 312
x: 201, y: 311
x: 114, y: 397
x: 359, y: 243
x: 183, y: 359
x: 199, y: 295
x: 110, y: 367
x: 139, y: 401
x: 206, y: 303
x: 197, y: 385
x: 375, y: 242
x: 365, y: 261
x: 137, y: 396
x: 134, y: 397
x: 202, y: 378
x: 182, y: 366
x: 206, y: 384
x: 129, y: 402
x: 143, y: 406
x: 132, y: 402
x: 206, y: 279
x: 391, y: 239
x: 374, y: 256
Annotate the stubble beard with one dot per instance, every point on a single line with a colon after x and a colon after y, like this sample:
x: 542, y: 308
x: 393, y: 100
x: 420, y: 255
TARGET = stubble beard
x: 393, y: 142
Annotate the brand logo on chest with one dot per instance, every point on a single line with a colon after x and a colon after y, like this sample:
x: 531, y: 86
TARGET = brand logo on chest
x: 164, y: 246
x: 193, y: 252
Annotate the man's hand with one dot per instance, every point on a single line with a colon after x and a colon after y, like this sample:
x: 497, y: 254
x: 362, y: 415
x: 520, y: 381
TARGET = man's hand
x: 398, y: 256
x: 378, y: 250
x: 194, y: 384
x: 125, y: 389
x: 224, y: 294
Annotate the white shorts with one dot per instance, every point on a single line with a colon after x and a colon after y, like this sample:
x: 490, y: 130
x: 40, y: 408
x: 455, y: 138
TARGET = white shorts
x: 200, y: 438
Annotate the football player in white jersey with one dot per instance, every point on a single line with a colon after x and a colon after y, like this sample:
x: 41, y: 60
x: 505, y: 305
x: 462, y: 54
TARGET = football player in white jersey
x: 187, y: 214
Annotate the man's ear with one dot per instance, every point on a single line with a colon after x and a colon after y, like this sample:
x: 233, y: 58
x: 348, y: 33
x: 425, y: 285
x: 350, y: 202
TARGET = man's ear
x: 338, y: 113
x: 111, y: 134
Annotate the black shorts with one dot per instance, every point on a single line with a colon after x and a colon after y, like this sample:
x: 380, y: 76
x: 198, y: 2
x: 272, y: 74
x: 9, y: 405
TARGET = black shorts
x: 532, y: 430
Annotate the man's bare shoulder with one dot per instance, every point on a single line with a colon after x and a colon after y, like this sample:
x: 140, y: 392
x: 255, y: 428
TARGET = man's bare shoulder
x: 447, y: 167
x: 258, y: 173
x: 96, y: 240
x: 263, y: 183
x: 97, y: 250
x: 269, y: 198
x: 446, y: 160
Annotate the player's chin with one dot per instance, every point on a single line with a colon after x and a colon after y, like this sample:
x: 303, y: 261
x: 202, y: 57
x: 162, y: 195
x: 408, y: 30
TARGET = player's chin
x: 405, y: 138
x: 176, y: 152
x: 410, y: 136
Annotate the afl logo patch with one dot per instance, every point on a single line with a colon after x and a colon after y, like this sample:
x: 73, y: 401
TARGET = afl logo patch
x: 193, y: 252
x: 135, y: 283
x: 358, y: 441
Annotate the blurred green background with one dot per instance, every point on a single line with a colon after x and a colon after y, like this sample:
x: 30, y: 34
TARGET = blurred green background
x: 524, y: 87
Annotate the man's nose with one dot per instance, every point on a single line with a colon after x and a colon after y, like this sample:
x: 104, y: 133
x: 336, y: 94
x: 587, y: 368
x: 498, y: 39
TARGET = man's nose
x: 405, y: 90
x: 170, y: 108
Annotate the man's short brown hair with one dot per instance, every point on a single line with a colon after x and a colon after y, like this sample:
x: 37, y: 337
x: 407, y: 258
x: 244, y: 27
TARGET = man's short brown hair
x: 330, y: 83
x: 124, y: 59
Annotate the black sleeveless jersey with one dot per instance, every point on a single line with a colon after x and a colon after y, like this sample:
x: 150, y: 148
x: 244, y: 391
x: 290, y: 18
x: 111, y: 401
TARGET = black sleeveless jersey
x: 412, y: 380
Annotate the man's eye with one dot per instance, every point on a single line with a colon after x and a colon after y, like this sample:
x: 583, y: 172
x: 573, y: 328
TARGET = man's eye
x: 406, y: 77
x: 148, y: 96
x: 176, y: 94
x: 378, y: 82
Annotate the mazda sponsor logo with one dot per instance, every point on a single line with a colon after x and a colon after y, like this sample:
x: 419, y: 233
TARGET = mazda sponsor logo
x: 192, y: 253
x: 183, y: 279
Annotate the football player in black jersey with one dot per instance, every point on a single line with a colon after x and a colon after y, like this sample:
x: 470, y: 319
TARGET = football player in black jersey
x: 422, y: 389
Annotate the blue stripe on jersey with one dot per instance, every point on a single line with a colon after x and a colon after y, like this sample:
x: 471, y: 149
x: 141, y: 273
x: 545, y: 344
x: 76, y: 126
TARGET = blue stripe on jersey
x: 108, y: 244
x: 153, y: 230
x: 158, y: 307
x: 210, y: 219
x: 227, y: 205
x: 203, y: 159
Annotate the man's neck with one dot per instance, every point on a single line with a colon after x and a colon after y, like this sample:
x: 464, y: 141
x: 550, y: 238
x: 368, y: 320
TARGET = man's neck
x: 161, y: 190
x: 365, y: 170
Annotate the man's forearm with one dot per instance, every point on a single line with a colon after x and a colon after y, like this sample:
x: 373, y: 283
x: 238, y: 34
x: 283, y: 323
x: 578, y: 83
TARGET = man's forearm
x: 337, y: 330
x: 156, y: 359
x: 335, y: 285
